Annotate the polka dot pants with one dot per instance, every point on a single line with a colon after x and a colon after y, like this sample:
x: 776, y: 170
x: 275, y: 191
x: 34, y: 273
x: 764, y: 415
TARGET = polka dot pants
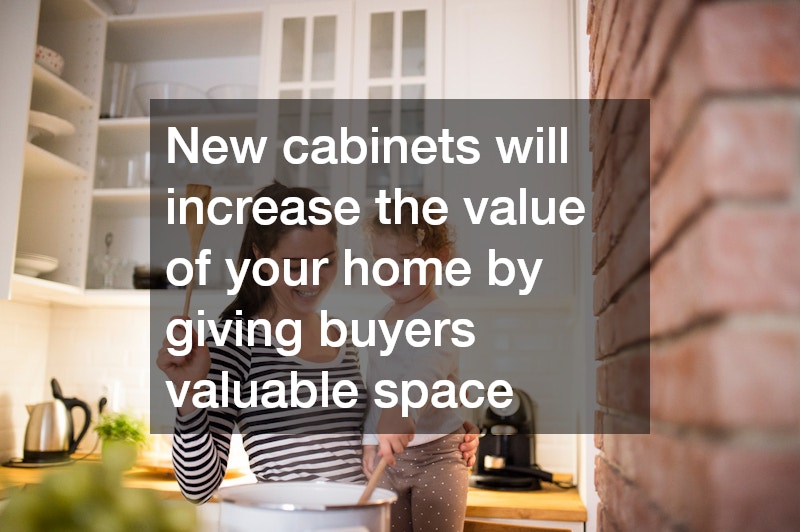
x: 431, y: 482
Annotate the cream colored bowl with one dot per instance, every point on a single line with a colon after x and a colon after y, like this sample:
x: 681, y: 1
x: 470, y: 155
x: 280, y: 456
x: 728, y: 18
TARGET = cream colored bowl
x: 33, y: 264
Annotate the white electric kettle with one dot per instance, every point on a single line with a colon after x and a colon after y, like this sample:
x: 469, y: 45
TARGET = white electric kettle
x: 50, y: 435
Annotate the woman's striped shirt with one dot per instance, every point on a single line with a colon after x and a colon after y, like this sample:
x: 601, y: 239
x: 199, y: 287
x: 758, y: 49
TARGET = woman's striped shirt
x: 316, y: 443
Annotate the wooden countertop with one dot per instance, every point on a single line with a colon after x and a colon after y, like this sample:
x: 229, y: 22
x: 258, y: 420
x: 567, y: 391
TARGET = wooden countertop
x: 159, y: 479
x: 551, y: 503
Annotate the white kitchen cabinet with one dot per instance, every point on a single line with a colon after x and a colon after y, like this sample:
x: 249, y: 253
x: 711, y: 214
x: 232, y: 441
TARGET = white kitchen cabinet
x: 47, y: 182
x: 343, y: 50
x: 395, y: 55
x: 397, y: 67
x: 308, y: 64
x: 510, y: 50
x: 201, y: 50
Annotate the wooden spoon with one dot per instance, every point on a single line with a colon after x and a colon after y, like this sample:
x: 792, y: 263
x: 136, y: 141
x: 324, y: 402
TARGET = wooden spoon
x: 373, y: 482
x: 195, y: 230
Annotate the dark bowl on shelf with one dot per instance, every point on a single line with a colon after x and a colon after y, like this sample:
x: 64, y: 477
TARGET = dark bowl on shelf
x: 147, y: 278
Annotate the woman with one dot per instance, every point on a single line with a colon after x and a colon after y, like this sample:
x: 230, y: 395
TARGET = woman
x: 282, y: 443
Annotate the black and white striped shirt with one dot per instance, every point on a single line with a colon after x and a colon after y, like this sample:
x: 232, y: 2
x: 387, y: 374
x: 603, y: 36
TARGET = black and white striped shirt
x: 317, y: 443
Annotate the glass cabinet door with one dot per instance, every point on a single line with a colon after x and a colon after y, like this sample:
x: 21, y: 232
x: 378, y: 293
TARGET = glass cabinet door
x: 397, y: 68
x: 309, y: 67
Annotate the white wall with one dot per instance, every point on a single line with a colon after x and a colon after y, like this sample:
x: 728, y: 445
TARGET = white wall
x: 23, y: 357
x: 85, y: 349
x: 91, y: 349
x: 102, y: 351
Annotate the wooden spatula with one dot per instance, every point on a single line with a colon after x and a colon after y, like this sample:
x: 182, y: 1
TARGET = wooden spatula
x: 195, y: 229
x: 373, y: 482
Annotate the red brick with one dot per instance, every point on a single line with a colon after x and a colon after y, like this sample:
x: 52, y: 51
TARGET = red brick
x: 670, y: 111
x: 733, y: 259
x: 729, y: 47
x: 629, y: 257
x: 626, y: 506
x: 598, y: 40
x: 729, y: 376
x: 669, y: 21
x: 604, y: 522
x: 623, y: 383
x: 641, y: 22
x: 602, y: 122
x: 598, y: 430
x: 618, y: 60
x: 750, y: 45
x: 627, y: 156
x: 626, y: 321
x: 617, y: 424
x: 753, y: 488
x: 626, y: 212
x: 710, y: 484
x: 736, y: 149
x: 669, y: 470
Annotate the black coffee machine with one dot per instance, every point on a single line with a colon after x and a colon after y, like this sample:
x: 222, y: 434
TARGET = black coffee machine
x: 507, y: 447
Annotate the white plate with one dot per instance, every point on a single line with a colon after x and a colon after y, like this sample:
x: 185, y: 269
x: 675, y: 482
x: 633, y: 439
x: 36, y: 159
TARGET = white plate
x: 45, y: 125
x: 33, y: 264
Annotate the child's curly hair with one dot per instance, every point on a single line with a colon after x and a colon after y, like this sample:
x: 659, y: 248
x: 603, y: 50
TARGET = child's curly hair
x: 435, y: 239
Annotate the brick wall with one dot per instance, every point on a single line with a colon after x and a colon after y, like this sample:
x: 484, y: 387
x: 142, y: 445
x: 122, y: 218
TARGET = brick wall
x: 719, y: 265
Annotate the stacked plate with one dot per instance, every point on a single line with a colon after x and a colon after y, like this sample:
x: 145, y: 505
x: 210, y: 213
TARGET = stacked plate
x: 44, y: 125
x: 33, y: 264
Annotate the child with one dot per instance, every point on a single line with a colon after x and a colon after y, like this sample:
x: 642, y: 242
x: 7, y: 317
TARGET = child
x: 430, y: 476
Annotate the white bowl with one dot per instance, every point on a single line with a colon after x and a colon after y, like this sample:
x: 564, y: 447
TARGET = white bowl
x: 303, y: 506
x: 233, y: 98
x: 179, y: 98
x: 49, y: 59
x: 33, y: 264
x: 46, y: 125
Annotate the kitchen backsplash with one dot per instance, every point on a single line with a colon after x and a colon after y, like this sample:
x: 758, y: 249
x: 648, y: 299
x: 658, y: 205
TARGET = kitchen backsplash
x: 97, y: 351
x: 23, y: 359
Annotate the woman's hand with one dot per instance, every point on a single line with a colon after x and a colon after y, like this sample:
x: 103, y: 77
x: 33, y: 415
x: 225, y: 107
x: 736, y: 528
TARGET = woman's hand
x: 180, y: 369
x: 368, y: 456
x: 469, y: 446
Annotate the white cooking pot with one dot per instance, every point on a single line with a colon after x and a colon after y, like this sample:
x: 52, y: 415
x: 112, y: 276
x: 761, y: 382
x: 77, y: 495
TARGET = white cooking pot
x: 302, y: 506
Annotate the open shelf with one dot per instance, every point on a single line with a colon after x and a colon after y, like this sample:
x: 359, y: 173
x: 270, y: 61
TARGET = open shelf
x: 61, y: 10
x: 160, y: 37
x: 123, y: 135
x: 48, y: 86
x: 41, y: 164
x: 121, y: 201
x: 26, y: 288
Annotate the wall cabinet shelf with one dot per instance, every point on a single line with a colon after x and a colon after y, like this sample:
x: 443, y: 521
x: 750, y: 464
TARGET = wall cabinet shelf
x: 304, y: 54
x: 199, y: 35
x: 46, y: 199
x: 42, y: 164
x: 56, y: 91
x: 121, y: 202
x: 123, y: 135
x: 24, y: 288
x: 199, y: 49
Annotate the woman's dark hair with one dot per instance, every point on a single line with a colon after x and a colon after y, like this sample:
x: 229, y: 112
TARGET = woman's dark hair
x: 253, y: 297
